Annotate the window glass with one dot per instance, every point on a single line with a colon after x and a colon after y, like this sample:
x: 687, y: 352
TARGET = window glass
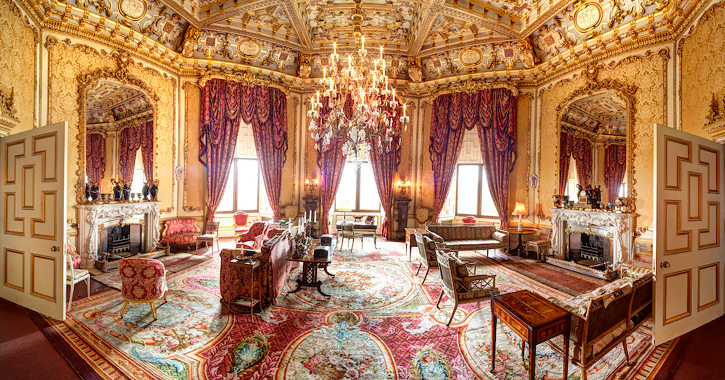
x: 345, y: 197
x: 247, y: 184
x: 369, y: 197
x: 468, y: 187
x: 488, y: 208
x: 138, y: 175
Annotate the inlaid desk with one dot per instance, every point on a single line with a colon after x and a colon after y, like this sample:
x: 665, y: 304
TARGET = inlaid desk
x: 534, y: 319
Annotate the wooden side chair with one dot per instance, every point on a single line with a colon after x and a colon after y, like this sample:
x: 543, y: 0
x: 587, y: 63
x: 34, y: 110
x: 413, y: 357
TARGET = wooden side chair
x: 461, y: 284
x: 348, y: 232
x: 211, y: 235
x: 74, y: 276
x: 427, y: 252
x: 540, y: 246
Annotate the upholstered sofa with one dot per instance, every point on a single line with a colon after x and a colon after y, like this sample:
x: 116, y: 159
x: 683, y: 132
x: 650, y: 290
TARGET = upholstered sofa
x: 180, y: 232
x: 270, y: 275
x: 468, y: 237
x: 603, y: 318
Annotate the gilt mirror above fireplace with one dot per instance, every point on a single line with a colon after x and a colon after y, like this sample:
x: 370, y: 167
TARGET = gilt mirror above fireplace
x: 594, y: 145
x: 118, y: 121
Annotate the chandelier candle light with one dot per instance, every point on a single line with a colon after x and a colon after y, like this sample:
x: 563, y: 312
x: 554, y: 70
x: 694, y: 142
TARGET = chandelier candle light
x: 357, y: 104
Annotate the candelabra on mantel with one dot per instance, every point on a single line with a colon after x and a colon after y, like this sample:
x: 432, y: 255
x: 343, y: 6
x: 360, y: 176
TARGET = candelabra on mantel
x: 357, y: 105
x: 311, y: 216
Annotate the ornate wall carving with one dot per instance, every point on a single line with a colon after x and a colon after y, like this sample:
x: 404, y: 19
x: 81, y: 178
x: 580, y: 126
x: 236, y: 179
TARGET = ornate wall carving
x: 69, y: 63
x: 18, y: 63
x: 647, y: 73
x: 702, y: 69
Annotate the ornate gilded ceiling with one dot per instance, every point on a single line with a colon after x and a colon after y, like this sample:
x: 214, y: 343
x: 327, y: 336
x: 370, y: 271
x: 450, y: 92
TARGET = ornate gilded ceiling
x: 424, y: 40
x: 110, y: 102
x: 603, y: 114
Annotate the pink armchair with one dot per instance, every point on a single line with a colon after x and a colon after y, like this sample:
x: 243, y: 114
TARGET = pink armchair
x: 180, y: 232
x: 253, y: 238
x: 240, y: 223
x: 142, y: 281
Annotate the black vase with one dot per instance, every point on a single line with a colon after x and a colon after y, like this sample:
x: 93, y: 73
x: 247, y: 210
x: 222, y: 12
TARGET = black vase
x: 94, y: 193
x: 126, y: 192
x: 88, y: 191
x: 145, y: 191
x: 154, y: 191
x: 117, y: 192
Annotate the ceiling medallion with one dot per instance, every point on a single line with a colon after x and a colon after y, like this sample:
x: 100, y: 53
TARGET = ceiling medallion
x: 249, y: 48
x: 357, y: 106
x: 133, y: 10
x: 470, y: 57
x: 588, y: 16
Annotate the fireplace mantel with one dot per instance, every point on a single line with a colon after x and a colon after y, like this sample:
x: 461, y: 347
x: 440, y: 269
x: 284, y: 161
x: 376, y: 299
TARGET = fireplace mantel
x: 90, y: 215
x: 621, y: 225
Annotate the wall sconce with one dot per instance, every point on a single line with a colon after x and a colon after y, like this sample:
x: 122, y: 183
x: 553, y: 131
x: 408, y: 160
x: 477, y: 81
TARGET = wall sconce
x: 311, y: 184
x: 403, y: 187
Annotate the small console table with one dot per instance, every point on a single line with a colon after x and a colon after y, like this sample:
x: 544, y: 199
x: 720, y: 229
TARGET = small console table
x: 310, y: 264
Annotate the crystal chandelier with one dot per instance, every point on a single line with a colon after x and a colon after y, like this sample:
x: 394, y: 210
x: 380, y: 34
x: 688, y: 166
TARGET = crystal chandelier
x: 356, y: 105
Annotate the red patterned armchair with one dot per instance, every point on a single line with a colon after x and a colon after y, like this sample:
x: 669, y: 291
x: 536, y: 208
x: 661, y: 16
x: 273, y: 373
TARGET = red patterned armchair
x: 142, y: 281
x: 180, y: 232
x: 240, y: 223
x: 253, y: 238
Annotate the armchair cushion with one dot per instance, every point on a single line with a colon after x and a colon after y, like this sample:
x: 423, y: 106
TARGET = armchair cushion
x: 501, y: 236
x: 434, y: 236
x: 461, y: 268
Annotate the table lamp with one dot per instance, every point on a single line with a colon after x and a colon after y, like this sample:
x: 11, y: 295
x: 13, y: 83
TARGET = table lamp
x: 344, y: 207
x: 520, y: 211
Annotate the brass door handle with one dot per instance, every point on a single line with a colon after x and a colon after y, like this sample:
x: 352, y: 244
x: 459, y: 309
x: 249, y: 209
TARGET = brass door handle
x: 55, y: 248
x: 665, y: 264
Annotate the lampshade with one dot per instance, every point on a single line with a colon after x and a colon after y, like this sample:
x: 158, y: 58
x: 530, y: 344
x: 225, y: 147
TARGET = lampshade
x: 520, y: 209
x: 344, y: 206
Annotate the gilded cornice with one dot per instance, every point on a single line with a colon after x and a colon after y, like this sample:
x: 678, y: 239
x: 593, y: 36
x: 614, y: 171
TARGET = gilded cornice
x: 472, y: 86
x: 246, y: 78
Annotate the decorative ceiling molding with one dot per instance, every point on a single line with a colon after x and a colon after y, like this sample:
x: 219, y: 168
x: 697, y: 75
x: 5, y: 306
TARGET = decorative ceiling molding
x: 302, y: 33
x: 448, y: 10
x: 431, y: 12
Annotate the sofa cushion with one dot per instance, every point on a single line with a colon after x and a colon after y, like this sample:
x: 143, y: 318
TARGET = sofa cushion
x: 500, y: 236
x: 180, y: 238
x: 469, y: 245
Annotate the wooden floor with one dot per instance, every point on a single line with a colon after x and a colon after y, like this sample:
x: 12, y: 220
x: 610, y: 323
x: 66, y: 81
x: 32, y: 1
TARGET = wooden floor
x: 25, y: 352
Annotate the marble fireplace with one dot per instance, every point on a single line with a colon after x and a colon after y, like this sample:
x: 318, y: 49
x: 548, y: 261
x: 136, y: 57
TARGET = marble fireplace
x: 591, y: 242
x: 131, y: 227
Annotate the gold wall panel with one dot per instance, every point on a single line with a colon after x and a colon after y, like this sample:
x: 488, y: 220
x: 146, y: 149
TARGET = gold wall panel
x: 18, y: 64
x: 28, y: 187
x: 702, y: 70
x: 673, y: 307
x: 647, y: 72
x: 708, y: 286
x: 710, y: 237
x: 42, y: 276
x: 15, y: 277
x: 676, y: 240
x: 45, y: 226
x: 14, y: 225
x: 711, y: 159
x: 46, y: 146
x: 13, y: 151
x: 194, y: 173
x: 67, y: 63
x: 519, y: 178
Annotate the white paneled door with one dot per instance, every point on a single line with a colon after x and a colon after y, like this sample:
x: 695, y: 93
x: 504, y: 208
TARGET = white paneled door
x: 32, y: 219
x: 689, y: 246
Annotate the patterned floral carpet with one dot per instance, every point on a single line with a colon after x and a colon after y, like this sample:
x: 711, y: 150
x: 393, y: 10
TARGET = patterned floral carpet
x: 380, y: 323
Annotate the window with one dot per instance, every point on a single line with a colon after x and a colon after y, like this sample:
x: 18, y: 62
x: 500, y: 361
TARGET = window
x: 244, y: 188
x: 357, y: 190
x: 472, y: 194
x: 622, y: 190
x: 571, y: 190
x: 138, y: 175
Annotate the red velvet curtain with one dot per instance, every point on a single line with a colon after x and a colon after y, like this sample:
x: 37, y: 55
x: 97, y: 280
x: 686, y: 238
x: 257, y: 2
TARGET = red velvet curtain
x: 385, y: 165
x: 129, y: 140
x: 146, y: 131
x: 266, y: 110
x: 615, y: 158
x: 581, y: 149
x: 564, y: 160
x: 331, y: 163
x: 448, y: 125
x: 95, y: 157
x: 497, y: 136
x: 221, y: 115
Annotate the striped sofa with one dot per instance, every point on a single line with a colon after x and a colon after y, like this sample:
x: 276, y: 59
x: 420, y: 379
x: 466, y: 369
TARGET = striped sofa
x: 468, y: 237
